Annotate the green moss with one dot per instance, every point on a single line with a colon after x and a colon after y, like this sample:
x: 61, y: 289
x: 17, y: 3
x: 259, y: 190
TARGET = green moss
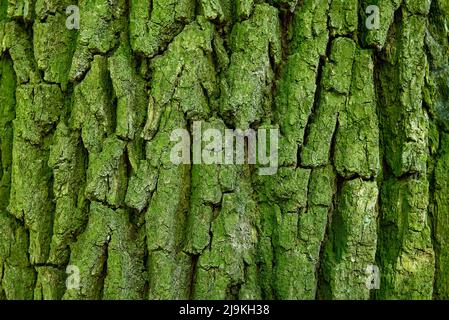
x: 18, y: 41
x: 94, y: 114
x: 129, y: 90
x: 50, y: 284
x: 216, y: 9
x: 358, y: 128
x: 377, y: 37
x: 185, y: 73
x: 352, y: 242
x: 67, y: 159
x: 343, y: 17
x: 18, y: 277
x: 92, y: 39
x: 337, y: 76
x: 297, y: 84
x: 37, y: 110
x: 7, y: 115
x: 154, y: 23
x: 55, y: 63
x: 86, y: 180
x: 402, y: 81
x: 405, y: 249
x: 221, y: 270
x: 248, y: 82
x: 21, y: 9
x: 205, y: 193
x: 243, y: 8
x: 141, y: 185
x: 288, y: 188
x: 440, y: 212
x: 106, y: 176
x: 109, y: 253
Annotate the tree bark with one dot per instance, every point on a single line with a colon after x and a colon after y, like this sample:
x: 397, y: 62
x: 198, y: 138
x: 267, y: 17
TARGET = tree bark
x: 87, y: 187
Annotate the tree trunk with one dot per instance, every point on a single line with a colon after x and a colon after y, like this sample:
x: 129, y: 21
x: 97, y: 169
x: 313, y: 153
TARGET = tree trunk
x: 93, y: 207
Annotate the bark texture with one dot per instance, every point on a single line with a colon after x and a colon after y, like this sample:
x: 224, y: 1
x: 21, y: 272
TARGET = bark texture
x: 86, y: 178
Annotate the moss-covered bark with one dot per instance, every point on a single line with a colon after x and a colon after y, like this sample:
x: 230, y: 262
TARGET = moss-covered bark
x: 86, y: 179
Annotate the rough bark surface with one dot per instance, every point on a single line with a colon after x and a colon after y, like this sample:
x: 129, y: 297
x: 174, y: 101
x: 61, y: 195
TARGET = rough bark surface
x: 86, y: 178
